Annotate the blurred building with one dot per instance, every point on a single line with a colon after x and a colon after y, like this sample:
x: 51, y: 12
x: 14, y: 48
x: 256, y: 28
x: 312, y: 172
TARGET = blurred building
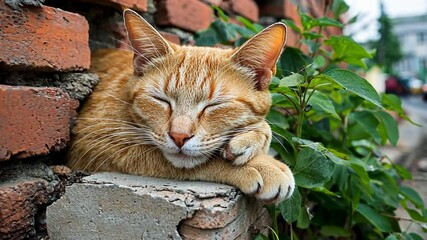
x: 412, y: 33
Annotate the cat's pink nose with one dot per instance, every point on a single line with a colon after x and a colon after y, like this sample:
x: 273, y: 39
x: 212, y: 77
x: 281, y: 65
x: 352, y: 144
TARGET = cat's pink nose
x: 180, y: 138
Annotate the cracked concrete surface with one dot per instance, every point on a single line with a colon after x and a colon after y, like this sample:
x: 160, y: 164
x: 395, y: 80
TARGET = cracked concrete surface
x: 120, y: 206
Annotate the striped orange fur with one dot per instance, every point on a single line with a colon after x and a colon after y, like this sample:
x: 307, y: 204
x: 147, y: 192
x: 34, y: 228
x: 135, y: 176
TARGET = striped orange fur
x: 181, y: 112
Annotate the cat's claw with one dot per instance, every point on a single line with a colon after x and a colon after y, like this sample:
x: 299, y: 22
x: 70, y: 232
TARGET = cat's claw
x: 277, y: 183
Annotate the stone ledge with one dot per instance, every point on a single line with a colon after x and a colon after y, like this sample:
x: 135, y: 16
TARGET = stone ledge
x: 119, y: 206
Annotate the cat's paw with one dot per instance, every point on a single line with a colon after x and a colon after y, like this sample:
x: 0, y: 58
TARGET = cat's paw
x: 242, y: 148
x: 277, y: 182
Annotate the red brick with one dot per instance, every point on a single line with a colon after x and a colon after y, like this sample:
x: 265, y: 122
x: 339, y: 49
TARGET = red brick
x: 316, y: 8
x: 214, y: 2
x: 280, y: 9
x: 292, y: 39
x: 228, y: 228
x: 245, y: 8
x: 139, y: 5
x: 34, y: 121
x: 191, y: 15
x: 43, y: 38
x: 18, y: 207
x: 171, y: 37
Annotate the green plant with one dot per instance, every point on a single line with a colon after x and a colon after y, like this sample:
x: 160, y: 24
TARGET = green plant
x: 328, y: 123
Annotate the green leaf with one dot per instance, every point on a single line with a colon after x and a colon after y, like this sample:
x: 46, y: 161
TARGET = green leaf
x: 390, y: 126
x: 353, y: 20
x: 362, y: 174
x: 347, y: 50
x: 292, y: 25
x: 355, y: 84
x: 322, y: 104
x: 362, y: 125
x: 312, y: 168
x: 383, y: 223
x: 291, y: 61
x: 218, y: 32
x: 245, y: 33
x: 339, y: 7
x: 292, y: 80
x: 324, y: 191
x: 304, y: 218
x: 404, y: 236
x: 291, y: 207
x: 277, y: 119
x: 416, y: 215
x: 309, y: 35
x: 412, y: 196
x: 339, y: 154
x: 319, y: 61
x: 325, y: 22
x: 385, y: 188
x: 404, y: 173
x: 393, y: 103
x: 394, y: 236
x: 412, y: 236
x: 248, y: 24
x: 334, y: 231
x: 221, y: 13
x: 306, y: 20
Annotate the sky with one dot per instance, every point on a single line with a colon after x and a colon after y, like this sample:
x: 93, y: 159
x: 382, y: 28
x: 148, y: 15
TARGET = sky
x: 369, y: 11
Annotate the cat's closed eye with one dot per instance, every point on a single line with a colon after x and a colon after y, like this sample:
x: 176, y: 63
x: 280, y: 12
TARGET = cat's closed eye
x: 162, y: 101
x: 211, y: 106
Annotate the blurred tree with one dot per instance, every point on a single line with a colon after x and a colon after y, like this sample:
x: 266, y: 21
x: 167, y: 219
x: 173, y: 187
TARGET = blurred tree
x: 388, y: 45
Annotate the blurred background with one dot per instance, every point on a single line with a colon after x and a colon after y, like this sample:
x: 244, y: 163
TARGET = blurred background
x: 398, y: 30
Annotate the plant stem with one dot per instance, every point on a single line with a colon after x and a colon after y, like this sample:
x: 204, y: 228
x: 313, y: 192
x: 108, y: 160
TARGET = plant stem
x: 275, y: 226
x: 300, y: 121
x: 292, y: 231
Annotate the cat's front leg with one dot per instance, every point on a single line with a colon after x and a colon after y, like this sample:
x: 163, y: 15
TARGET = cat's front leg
x: 246, y: 145
x: 263, y: 177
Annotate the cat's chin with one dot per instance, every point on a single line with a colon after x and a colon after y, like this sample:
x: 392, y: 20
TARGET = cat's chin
x: 180, y: 160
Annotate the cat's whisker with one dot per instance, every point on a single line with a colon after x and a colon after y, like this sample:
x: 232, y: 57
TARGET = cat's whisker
x: 102, y: 142
x: 118, y: 99
x: 113, y: 144
x: 123, y: 149
x: 108, y: 129
x: 280, y: 142
x: 107, y: 120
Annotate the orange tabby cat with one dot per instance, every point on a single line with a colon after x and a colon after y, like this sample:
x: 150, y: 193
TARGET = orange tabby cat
x: 192, y: 113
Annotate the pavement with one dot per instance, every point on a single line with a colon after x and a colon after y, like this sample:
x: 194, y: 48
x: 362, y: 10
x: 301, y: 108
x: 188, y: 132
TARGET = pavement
x: 411, y: 152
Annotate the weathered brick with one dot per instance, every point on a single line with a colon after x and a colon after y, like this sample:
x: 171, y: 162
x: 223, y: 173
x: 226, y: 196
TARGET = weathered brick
x: 191, y: 15
x: 34, y: 120
x: 226, y: 227
x: 18, y: 206
x: 280, y: 9
x: 140, y: 5
x: 43, y: 39
x: 246, y: 8
x: 25, y: 191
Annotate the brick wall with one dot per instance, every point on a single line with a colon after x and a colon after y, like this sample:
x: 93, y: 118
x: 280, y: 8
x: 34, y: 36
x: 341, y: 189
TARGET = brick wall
x: 45, y: 48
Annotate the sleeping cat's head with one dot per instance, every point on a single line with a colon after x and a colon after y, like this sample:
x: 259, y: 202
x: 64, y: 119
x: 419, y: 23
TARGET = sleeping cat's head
x: 193, y: 99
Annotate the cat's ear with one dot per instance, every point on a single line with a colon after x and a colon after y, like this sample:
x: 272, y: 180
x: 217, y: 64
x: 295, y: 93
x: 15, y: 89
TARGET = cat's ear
x: 261, y: 52
x: 146, y: 42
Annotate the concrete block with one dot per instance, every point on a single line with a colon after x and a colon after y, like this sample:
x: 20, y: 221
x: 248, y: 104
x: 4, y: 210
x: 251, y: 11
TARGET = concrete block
x: 120, y: 206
